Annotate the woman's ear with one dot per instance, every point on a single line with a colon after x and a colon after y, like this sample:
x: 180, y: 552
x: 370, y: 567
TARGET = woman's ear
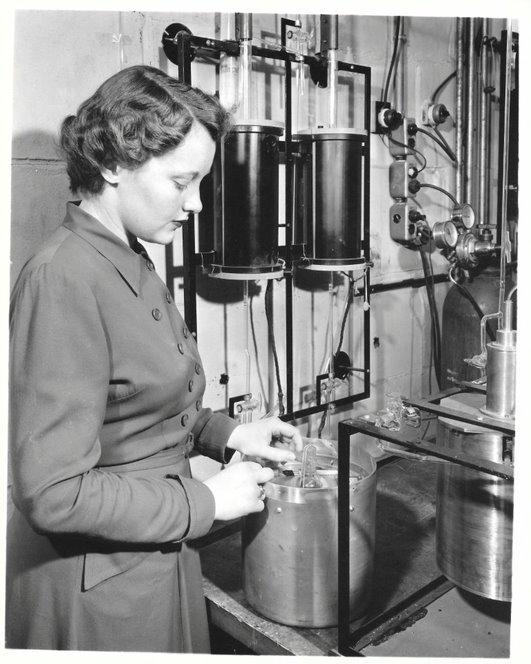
x: 111, y: 177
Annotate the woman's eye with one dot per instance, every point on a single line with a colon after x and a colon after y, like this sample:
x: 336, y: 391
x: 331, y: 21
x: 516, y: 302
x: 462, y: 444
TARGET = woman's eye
x: 180, y: 186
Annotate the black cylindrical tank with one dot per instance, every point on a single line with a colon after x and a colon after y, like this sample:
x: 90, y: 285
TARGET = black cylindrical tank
x: 329, y: 197
x: 461, y: 324
x: 246, y: 232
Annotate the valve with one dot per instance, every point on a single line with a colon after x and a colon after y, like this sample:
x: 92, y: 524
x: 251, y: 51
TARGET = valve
x: 434, y: 114
x: 387, y: 118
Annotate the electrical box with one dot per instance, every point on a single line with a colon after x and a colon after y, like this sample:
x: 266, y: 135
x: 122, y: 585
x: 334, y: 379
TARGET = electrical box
x: 398, y: 145
x: 398, y: 179
x: 401, y: 227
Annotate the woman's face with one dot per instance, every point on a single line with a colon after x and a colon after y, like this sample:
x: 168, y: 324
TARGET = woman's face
x: 151, y: 201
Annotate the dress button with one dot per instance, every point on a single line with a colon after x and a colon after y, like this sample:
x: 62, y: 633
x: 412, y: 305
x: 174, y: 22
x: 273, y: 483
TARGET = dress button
x: 184, y: 419
x: 181, y: 348
x: 198, y: 404
x: 149, y: 265
x: 197, y: 369
x: 156, y: 313
x: 168, y: 297
x: 185, y: 332
x: 191, y: 385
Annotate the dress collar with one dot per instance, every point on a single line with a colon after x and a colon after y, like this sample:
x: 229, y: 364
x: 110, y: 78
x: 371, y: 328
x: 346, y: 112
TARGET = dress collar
x: 128, y: 263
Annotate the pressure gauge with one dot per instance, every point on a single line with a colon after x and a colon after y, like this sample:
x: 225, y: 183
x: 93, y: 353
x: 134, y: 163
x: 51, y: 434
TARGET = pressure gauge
x: 465, y: 215
x: 444, y: 234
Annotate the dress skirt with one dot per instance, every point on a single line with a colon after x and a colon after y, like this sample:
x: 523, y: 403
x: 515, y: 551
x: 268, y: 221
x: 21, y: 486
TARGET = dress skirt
x: 74, y: 594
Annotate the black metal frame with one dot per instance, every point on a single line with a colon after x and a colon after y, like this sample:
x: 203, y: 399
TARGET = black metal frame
x: 187, y: 46
x: 350, y: 644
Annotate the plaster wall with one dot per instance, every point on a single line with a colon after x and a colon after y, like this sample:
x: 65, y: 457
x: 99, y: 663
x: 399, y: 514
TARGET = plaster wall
x: 61, y: 57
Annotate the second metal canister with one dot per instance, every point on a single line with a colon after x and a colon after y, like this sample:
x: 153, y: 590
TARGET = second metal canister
x: 290, y: 549
x: 474, y: 509
x: 329, y: 174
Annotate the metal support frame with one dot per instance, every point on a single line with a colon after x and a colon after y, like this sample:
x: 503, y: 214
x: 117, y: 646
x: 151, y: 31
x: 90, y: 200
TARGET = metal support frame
x: 188, y: 46
x: 349, y: 643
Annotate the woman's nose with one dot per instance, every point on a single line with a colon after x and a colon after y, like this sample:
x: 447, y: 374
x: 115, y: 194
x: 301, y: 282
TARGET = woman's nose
x: 192, y: 202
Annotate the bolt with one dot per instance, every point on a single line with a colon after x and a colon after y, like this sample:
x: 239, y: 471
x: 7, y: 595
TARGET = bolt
x: 396, y: 218
x: 289, y: 34
x: 278, y: 510
x: 351, y: 508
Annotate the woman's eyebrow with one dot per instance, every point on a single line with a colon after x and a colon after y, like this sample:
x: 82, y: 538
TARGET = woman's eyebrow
x: 186, y: 174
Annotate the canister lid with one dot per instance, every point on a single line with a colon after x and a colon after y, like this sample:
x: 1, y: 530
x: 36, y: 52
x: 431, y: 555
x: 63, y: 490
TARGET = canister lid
x: 258, y: 126
x: 330, y: 133
x: 467, y: 402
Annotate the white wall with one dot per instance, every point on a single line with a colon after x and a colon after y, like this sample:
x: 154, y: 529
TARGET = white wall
x: 60, y: 58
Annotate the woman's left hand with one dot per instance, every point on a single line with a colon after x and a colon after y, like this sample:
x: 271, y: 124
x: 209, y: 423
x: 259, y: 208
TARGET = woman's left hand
x: 254, y: 439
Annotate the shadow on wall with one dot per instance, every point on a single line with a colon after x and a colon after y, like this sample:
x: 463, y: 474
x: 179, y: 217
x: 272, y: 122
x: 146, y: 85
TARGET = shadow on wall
x: 39, y: 193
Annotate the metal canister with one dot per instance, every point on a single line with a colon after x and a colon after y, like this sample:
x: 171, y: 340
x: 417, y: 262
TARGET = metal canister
x: 474, y: 509
x: 501, y: 375
x: 290, y: 549
x: 329, y: 172
x: 246, y: 233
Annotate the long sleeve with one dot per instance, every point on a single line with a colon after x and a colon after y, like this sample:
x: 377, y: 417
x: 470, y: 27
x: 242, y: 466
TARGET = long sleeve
x: 212, y: 431
x: 59, y: 377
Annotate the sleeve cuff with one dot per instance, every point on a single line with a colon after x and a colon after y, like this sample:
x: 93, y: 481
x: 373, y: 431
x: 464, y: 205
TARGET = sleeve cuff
x: 212, y: 440
x: 202, y: 507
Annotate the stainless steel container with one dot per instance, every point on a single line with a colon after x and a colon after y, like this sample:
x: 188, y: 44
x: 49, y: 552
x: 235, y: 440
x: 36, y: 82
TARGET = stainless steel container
x: 290, y: 549
x: 501, y: 375
x: 474, y: 509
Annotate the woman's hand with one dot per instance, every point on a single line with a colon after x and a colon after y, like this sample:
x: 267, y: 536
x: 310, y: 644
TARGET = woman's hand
x: 254, y: 439
x: 237, y: 489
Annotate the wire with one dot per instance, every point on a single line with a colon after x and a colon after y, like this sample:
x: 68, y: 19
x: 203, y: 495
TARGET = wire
x: 350, y: 297
x: 394, y: 59
x: 441, y: 86
x: 435, y: 329
x: 450, y: 151
x: 322, y: 423
x: 408, y: 147
x: 440, y: 143
x: 255, y: 345
x: 443, y: 191
x: 269, y: 316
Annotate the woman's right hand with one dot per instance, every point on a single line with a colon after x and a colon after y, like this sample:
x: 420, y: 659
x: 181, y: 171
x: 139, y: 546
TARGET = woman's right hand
x: 237, y: 489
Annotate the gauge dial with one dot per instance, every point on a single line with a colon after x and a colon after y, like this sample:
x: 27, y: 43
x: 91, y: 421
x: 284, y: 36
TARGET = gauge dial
x: 445, y: 234
x: 465, y: 214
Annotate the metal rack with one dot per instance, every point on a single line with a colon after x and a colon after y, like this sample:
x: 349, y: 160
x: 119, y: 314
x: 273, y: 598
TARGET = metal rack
x: 350, y: 643
x: 182, y: 48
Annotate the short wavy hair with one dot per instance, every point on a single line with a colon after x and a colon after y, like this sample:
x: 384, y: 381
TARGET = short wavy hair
x: 138, y: 113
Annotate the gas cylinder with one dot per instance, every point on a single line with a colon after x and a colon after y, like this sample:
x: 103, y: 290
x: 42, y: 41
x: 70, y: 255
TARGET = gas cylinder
x: 461, y: 324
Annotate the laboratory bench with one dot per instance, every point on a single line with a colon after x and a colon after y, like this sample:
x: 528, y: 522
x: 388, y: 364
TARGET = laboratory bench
x: 408, y: 589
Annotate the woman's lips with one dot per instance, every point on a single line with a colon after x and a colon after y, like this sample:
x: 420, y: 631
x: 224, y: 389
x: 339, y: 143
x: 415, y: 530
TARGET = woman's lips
x: 179, y: 222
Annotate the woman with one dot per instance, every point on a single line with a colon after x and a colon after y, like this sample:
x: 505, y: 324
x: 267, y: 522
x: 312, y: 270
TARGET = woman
x: 106, y: 392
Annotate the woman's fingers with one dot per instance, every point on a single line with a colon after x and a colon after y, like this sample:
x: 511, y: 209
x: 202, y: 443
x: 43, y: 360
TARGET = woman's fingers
x: 288, y: 434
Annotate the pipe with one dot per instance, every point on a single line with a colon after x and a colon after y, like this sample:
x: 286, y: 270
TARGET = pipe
x: 332, y: 88
x: 460, y: 34
x: 470, y: 111
x: 246, y: 337
x: 329, y: 45
x: 505, y: 162
x: 401, y: 67
x: 483, y: 113
x: 244, y: 33
x: 228, y: 66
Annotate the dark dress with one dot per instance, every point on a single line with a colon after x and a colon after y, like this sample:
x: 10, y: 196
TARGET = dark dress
x: 106, y: 389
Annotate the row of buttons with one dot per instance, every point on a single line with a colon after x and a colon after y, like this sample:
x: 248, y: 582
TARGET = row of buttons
x: 185, y: 417
x: 157, y: 315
